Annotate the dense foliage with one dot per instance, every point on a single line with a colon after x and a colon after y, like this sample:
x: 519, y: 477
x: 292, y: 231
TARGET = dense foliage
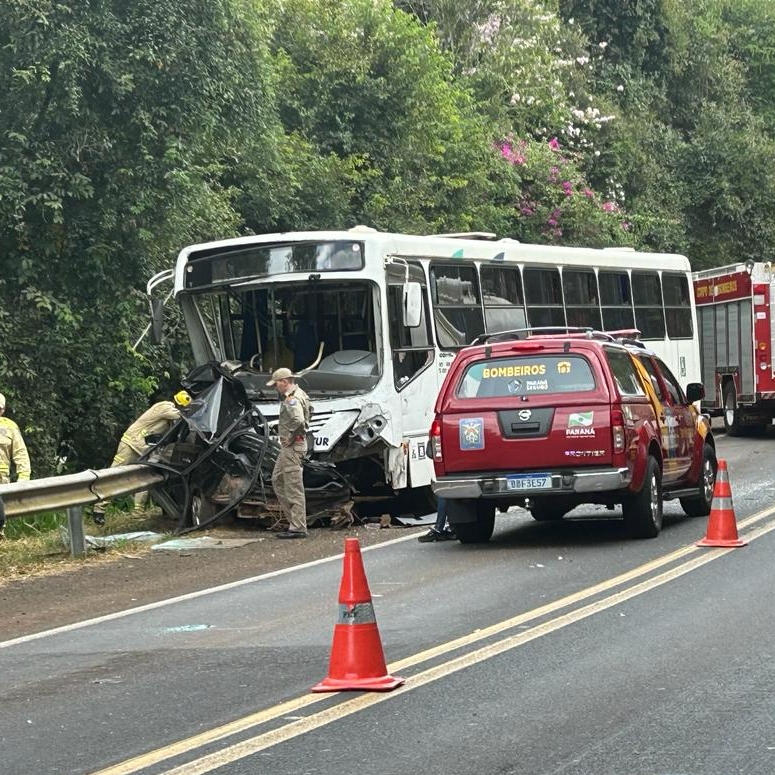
x: 130, y: 128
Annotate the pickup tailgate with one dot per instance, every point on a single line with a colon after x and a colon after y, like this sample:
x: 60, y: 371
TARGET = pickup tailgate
x: 538, y: 411
x: 523, y: 439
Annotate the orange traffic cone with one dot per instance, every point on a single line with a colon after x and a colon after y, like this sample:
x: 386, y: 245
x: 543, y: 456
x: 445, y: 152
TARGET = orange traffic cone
x: 722, y: 525
x: 357, y: 660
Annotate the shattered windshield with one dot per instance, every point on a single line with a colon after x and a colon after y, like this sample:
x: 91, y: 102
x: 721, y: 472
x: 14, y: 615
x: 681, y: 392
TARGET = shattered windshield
x: 270, y: 326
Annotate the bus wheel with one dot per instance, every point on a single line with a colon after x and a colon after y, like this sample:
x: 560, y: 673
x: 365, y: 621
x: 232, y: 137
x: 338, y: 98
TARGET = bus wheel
x: 732, y: 424
x: 202, y: 509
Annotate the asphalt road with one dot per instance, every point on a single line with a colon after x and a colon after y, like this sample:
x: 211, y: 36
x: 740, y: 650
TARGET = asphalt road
x: 557, y: 648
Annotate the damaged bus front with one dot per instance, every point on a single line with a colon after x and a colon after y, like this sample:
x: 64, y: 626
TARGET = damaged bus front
x: 337, y: 309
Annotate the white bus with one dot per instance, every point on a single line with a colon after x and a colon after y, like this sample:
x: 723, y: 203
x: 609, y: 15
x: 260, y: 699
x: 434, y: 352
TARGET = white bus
x: 385, y: 313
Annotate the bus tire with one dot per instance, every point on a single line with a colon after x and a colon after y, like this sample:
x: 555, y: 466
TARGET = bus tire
x: 202, y: 509
x: 643, y: 509
x: 731, y: 412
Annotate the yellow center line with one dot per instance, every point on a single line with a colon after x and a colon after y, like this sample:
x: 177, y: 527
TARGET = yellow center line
x: 348, y: 707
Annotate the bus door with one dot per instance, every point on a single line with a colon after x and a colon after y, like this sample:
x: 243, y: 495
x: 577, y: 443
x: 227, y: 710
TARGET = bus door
x: 414, y: 377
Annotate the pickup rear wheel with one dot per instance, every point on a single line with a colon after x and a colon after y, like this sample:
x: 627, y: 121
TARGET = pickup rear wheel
x: 643, y: 509
x: 700, y: 505
x: 472, y: 531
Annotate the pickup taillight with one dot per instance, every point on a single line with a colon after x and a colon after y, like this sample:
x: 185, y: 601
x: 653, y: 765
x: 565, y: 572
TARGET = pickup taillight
x: 618, y: 438
x: 436, y: 441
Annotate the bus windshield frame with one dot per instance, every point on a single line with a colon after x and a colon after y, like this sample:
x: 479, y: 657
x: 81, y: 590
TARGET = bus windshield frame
x: 231, y: 264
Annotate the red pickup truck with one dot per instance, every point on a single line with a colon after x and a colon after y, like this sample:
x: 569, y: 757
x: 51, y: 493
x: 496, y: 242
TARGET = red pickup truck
x: 552, y: 421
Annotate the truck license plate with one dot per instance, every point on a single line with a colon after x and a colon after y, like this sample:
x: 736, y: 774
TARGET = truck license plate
x: 529, y: 482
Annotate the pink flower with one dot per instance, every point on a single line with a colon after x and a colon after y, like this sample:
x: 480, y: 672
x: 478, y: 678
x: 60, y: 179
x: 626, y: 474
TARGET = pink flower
x: 609, y: 207
x: 589, y: 193
x: 508, y: 153
x: 554, y: 144
x: 567, y: 188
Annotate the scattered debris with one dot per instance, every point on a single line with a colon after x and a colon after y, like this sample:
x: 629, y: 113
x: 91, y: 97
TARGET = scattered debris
x: 102, y: 542
x: 204, y: 542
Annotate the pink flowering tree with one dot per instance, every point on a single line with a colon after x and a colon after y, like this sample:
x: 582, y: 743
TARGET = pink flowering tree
x: 555, y: 203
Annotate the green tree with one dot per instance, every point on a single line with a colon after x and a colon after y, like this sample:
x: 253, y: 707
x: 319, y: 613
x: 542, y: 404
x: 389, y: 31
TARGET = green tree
x: 119, y: 121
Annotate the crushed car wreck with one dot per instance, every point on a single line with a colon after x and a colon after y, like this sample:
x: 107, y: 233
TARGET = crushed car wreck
x: 219, y: 458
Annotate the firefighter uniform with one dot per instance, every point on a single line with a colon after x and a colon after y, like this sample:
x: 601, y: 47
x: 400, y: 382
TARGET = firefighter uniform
x: 152, y: 422
x: 12, y: 449
x: 134, y: 442
x: 287, y: 479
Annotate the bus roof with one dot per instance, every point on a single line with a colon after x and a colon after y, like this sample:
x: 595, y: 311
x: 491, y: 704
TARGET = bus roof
x: 463, y: 247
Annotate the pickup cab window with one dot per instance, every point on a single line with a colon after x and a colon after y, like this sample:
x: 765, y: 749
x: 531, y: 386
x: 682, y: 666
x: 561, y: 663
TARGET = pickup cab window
x: 624, y: 373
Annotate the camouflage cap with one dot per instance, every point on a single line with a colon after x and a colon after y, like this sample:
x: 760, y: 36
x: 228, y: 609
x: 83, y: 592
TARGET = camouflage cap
x: 282, y: 373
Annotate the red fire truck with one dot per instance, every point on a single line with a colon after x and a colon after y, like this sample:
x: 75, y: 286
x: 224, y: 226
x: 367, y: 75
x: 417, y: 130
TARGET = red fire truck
x: 736, y: 322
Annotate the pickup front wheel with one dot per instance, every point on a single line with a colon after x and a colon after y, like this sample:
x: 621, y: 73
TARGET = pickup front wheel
x: 700, y: 505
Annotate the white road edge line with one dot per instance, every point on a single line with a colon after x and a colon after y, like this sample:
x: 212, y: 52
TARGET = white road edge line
x: 191, y: 595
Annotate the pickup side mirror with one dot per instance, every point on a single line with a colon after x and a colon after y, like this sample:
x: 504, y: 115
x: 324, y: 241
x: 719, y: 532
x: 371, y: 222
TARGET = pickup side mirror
x: 157, y: 320
x: 412, y: 304
x: 695, y: 391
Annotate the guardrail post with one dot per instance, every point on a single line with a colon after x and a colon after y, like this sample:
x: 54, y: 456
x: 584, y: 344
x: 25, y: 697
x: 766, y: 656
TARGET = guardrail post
x: 75, y: 527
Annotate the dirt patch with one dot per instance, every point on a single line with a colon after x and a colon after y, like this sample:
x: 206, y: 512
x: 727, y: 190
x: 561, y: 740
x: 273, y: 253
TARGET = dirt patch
x: 105, y: 583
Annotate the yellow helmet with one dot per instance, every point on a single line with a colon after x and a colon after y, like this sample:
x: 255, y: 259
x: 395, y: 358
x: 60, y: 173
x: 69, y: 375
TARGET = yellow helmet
x: 182, y: 398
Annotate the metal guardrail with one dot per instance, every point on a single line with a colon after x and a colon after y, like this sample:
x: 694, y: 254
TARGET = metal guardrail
x: 72, y: 492
x: 55, y: 493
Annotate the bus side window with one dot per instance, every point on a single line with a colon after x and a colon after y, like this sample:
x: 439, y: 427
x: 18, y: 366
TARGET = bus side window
x: 457, y: 308
x: 411, y: 347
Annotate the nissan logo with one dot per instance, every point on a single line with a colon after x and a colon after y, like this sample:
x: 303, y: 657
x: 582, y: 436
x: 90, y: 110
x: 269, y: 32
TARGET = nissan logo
x: 524, y: 414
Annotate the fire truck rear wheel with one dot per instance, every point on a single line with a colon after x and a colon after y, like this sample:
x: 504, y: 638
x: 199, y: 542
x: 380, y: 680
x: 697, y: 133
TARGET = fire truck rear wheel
x: 732, y: 424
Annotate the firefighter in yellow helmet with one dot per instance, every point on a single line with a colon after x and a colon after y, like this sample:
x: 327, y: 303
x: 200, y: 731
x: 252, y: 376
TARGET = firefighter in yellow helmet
x: 12, y: 450
x: 134, y: 443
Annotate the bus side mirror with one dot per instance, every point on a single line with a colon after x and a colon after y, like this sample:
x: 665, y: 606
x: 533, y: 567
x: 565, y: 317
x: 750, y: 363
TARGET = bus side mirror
x: 157, y: 320
x: 412, y: 304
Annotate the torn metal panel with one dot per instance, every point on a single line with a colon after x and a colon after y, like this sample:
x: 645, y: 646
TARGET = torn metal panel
x: 328, y: 429
x: 397, y: 466
x: 221, y: 454
x: 374, y: 423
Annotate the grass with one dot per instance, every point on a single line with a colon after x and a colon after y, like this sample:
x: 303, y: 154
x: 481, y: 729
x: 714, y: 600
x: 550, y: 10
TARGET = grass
x: 34, y: 544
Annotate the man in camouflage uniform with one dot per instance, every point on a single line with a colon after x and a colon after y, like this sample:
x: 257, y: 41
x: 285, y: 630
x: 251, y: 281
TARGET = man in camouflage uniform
x: 12, y: 449
x: 135, y: 442
x: 292, y: 427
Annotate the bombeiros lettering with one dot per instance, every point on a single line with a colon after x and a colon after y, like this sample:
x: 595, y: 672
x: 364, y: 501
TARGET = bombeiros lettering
x: 527, y: 370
